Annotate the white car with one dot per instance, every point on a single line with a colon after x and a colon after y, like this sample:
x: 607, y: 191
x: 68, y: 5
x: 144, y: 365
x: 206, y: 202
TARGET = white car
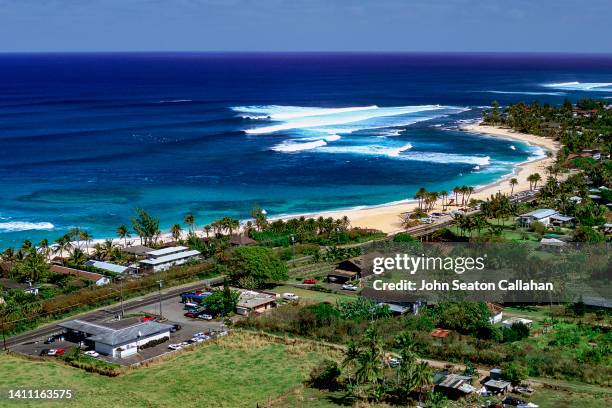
x: 394, y: 362
x: 205, y: 316
x: 349, y: 286
x: 175, y: 346
x: 198, y: 334
x: 197, y: 340
x: 92, y: 353
x: 290, y: 296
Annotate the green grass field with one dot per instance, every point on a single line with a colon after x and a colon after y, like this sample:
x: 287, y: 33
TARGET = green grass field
x: 238, y: 371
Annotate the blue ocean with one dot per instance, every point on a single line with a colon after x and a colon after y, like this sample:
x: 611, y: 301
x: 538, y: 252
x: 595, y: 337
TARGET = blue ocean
x: 87, y: 138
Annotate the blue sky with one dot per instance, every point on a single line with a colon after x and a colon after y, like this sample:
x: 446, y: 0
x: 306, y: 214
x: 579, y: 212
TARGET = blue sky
x: 306, y: 25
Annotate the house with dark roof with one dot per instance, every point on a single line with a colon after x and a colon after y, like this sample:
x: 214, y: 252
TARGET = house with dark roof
x: 354, y: 268
x: 399, y: 302
x: 239, y: 239
x: 9, y: 284
x: 118, y: 343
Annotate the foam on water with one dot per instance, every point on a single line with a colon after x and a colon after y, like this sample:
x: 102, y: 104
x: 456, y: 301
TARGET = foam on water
x: 359, y: 118
x: 375, y: 150
x: 292, y: 146
x: 582, y: 86
x: 527, y: 93
x: 24, y: 226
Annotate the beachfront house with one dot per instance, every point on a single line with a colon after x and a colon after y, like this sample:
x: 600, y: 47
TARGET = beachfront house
x: 163, y: 259
x: 118, y: 343
x: 108, y: 267
x: 541, y: 215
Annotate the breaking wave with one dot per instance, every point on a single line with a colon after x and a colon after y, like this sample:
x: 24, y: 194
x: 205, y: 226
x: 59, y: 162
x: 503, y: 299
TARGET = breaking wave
x: 582, y: 86
x: 527, y: 93
x: 288, y: 147
x: 25, y: 226
x: 342, y: 120
x: 375, y: 150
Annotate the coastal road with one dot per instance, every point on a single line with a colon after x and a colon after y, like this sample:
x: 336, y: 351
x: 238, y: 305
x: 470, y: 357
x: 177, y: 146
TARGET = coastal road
x: 111, y: 311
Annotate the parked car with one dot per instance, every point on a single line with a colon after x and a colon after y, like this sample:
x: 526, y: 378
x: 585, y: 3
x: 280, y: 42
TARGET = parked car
x: 198, y: 334
x: 205, y: 316
x: 56, y: 352
x: 192, y: 315
x: 191, y: 305
x: 44, y: 352
x: 197, y: 340
x: 92, y: 353
x: 290, y: 296
x: 310, y: 281
x: 148, y: 318
x: 175, y: 328
x: 350, y: 286
x: 175, y: 347
x: 394, y: 362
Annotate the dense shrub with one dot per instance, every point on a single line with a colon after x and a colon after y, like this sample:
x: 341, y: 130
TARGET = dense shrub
x: 325, y: 375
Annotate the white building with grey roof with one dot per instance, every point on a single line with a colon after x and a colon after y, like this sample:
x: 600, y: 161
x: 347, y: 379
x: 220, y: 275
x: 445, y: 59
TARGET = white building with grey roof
x: 117, y: 343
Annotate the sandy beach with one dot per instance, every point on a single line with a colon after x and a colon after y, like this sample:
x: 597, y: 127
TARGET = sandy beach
x: 387, y: 217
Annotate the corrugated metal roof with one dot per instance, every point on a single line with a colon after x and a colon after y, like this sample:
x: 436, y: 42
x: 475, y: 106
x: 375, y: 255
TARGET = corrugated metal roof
x: 170, y: 258
x: 107, y: 266
x: 541, y: 213
x: 131, y: 333
x: 166, y: 251
x: 89, y: 328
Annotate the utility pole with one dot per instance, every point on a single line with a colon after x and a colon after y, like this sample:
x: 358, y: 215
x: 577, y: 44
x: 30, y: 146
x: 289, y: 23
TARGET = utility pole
x: 160, y: 283
x: 122, y: 309
x: 3, y: 334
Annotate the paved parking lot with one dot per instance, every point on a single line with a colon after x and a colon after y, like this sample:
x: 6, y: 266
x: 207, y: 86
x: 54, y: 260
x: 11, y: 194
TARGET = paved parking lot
x: 172, y: 310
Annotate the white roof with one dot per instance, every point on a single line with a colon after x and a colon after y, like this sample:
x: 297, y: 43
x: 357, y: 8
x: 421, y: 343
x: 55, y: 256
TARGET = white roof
x: 540, y: 213
x: 107, y: 266
x: 170, y: 258
x: 552, y: 241
x: 561, y: 217
x: 166, y: 251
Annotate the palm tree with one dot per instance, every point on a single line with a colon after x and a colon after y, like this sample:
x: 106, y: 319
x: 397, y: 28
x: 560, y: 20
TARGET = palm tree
x: 513, y: 182
x: 536, y: 178
x: 420, y: 195
x: 77, y: 257
x: 207, y: 229
x: 176, y: 231
x: 85, y: 236
x: 123, y: 233
x: 63, y: 245
x: 350, y: 357
x: 43, y: 246
x: 469, y: 191
x: 190, y: 220
x: 422, y: 377
x: 444, y: 195
x: 456, y: 190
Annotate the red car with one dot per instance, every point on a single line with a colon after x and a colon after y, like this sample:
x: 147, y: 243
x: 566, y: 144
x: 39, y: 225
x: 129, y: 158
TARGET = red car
x: 193, y: 315
x: 310, y: 281
x: 148, y: 318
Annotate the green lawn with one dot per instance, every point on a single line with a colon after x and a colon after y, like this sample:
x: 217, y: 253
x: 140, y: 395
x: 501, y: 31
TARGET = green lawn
x: 313, y: 295
x: 238, y: 371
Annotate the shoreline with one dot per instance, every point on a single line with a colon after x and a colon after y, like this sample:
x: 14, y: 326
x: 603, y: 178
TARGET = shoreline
x: 386, y: 217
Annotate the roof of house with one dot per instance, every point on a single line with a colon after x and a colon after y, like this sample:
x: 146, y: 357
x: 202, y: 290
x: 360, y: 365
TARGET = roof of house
x: 394, y: 308
x: 250, y: 299
x: 170, y: 258
x: 552, y: 242
x: 76, y: 272
x: 242, y: 240
x: 166, y: 251
x: 562, y: 218
x: 441, y: 333
x: 540, y: 213
x: 107, y: 266
x: 458, y: 382
x: 82, y: 326
x: 494, y: 308
x: 343, y: 273
x: 499, y: 384
x: 137, y: 250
